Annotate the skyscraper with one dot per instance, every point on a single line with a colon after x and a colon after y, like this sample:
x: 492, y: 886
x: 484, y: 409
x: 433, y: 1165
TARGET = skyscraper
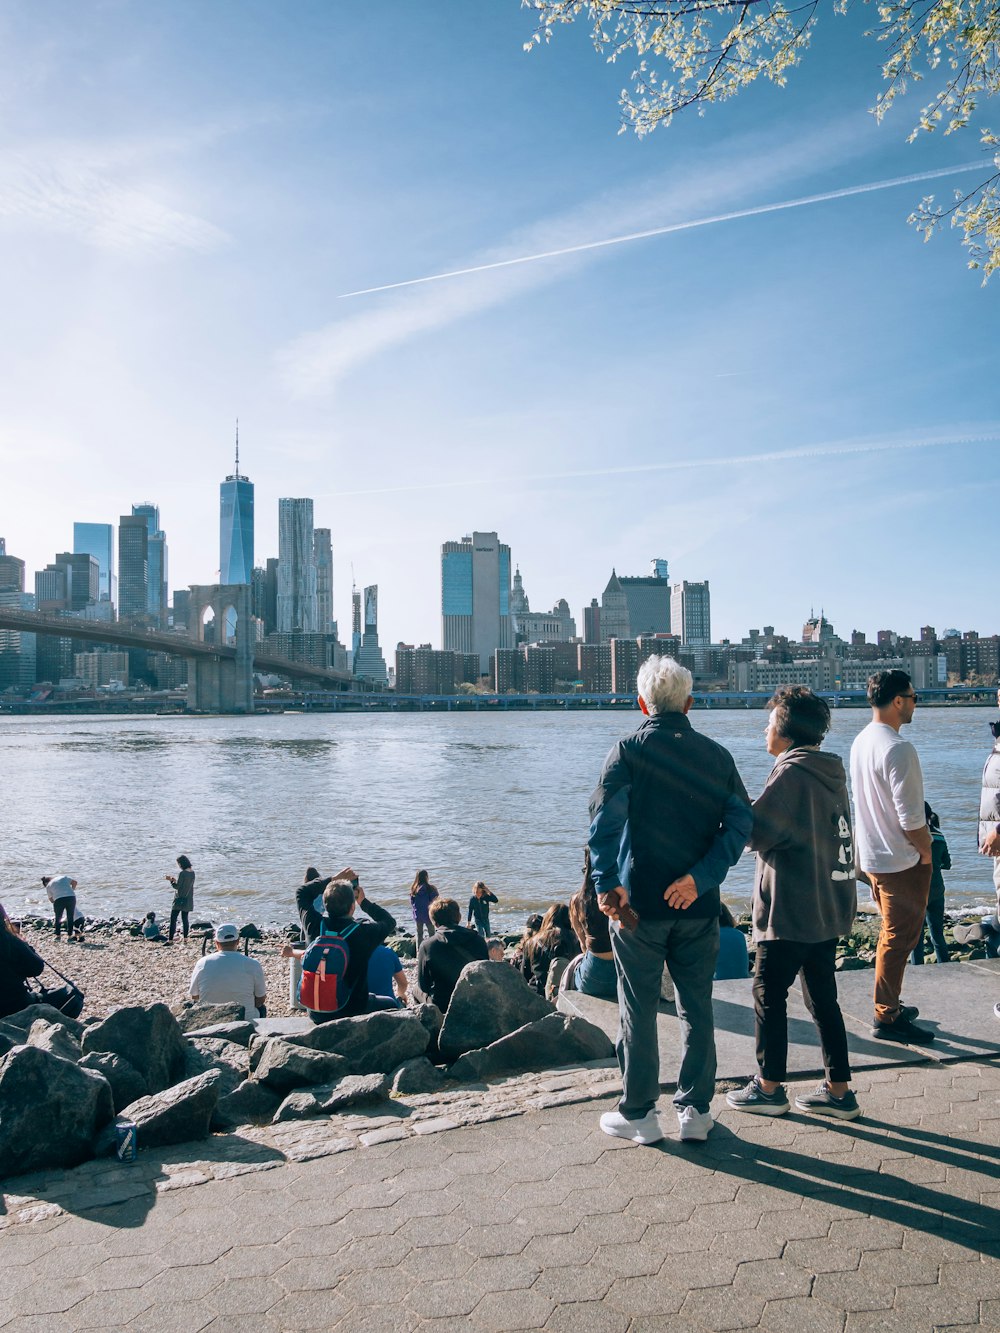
x: 298, y: 609
x: 98, y: 540
x: 691, y: 618
x: 133, y: 566
x: 236, y: 525
x: 323, y: 559
x: 368, y: 660
x: 156, y: 558
x: 475, y: 597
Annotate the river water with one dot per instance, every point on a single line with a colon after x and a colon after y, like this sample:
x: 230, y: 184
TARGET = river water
x: 113, y: 800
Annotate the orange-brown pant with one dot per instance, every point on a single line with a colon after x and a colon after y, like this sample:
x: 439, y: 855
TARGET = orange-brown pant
x: 902, y: 899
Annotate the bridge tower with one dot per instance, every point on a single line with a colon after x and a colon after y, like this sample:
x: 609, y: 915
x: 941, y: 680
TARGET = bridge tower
x: 221, y: 684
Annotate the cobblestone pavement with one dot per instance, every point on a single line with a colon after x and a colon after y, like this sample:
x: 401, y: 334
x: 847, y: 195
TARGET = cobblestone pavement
x: 541, y: 1221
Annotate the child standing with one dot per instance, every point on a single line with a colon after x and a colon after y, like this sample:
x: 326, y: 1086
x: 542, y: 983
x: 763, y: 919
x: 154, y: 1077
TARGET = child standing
x: 940, y: 860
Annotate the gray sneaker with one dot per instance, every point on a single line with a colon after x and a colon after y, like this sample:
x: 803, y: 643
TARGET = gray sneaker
x: 823, y: 1102
x: 753, y: 1098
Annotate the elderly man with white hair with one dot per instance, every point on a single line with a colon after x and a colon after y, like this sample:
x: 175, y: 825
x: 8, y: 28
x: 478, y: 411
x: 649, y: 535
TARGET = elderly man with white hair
x: 669, y: 817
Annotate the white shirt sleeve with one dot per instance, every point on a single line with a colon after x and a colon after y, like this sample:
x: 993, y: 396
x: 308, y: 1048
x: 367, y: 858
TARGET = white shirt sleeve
x: 195, y: 987
x: 907, y: 784
x: 260, y: 981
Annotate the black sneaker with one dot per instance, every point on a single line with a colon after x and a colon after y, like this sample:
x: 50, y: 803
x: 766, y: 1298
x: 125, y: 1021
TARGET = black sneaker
x: 754, y: 1098
x: 823, y: 1102
x: 908, y: 1011
x: 904, y: 1030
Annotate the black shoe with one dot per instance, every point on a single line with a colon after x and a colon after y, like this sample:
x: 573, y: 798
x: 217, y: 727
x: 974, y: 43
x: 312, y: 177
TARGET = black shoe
x: 996, y: 1009
x: 908, y: 1011
x: 903, y: 1030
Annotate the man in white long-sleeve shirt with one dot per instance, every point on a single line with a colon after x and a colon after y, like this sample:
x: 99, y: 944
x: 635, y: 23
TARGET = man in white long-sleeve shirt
x: 893, y: 845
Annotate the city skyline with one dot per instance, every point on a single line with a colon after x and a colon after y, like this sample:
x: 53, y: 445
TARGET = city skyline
x: 770, y: 401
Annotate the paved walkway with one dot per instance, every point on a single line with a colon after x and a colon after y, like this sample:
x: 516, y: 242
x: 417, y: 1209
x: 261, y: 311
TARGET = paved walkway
x: 890, y: 1222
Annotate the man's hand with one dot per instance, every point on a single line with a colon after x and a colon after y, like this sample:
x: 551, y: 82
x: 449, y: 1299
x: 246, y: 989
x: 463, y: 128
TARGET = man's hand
x: 682, y: 893
x: 359, y: 894
x: 612, y: 902
x: 991, y: 844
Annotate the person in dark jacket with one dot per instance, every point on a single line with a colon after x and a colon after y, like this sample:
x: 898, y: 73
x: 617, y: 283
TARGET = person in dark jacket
x: 341, y: 899
x: 594, y: 973
x: 669, y: 817
x: 934, y: 920
x: 479, y: 908
x: 554, y: 940
x: 18, y: 961
x: 443, y: 955
x: 183, y: 904
x: 309, y: 901
x: 422, y: 895
x: 804, y: 899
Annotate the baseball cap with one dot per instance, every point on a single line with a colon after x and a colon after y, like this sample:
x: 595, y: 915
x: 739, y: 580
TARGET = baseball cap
x: 226, y: 934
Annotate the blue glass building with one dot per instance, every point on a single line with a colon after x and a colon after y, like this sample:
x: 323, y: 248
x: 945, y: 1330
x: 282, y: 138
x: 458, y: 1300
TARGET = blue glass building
x: 98, y: 540
x: 475, y: 597
x: 236, y: 526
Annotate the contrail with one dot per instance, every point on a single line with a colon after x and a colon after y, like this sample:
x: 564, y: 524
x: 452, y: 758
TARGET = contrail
x: 845, y: 193
x: 686, y: 464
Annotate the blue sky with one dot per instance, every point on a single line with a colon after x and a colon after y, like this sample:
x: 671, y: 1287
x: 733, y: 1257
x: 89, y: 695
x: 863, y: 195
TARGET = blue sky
x: 801, y: 406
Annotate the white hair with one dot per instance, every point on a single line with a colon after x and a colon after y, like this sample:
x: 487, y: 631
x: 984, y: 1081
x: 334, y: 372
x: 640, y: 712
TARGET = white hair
x: 664, y: 685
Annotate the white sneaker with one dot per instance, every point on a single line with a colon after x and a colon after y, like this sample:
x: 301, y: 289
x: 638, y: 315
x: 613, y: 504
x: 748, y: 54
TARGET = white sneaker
x: 695, y: 1125
x: 647, y: 1130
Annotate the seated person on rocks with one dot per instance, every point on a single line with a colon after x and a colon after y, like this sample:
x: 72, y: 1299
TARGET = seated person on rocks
x: 360, y: 939
x: 444, y: 954
x: 18, y: 961
x: 497, y: 950
x: 228, y: 976
x: 309, y: 901
x: 733, y: 962
x: 386, y: 977
x: 593, y: 971
x: 531, y: 927
x: 555, y: 941
x: 151, y: 929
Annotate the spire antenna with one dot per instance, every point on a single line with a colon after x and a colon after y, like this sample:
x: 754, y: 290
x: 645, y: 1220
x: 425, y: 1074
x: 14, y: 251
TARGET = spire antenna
x: 237, y: 446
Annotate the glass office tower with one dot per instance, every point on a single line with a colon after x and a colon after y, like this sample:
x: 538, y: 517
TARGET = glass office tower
x: 98, y: 540
x: 236, y: 526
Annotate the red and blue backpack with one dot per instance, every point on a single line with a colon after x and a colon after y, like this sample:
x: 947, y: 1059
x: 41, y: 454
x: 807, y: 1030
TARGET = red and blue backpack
x: 323, y: 987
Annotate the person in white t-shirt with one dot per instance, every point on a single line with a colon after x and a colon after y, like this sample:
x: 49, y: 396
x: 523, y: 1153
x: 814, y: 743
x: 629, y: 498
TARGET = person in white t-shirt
x: 61, y: 890
x: 893, y: 845
x: 229, y: 977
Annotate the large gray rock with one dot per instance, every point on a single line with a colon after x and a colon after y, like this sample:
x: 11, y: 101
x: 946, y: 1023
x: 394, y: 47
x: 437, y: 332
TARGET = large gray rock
x: 230, y: 1059
x: 353, y: 1090
x: 417, y: 1075
x: 178, y: 1114
x: 371, y: 1043
x: 191, y: 1017
x: 557, y: 1039
x: 249, y: 1104
x: 127, y: 1084
x: 51, y: 1110
x: 54, y: 1037
x: 431, y: 1017
x: 24, y: 1018
x: 284, y: 1067
x: 148, y: 1038
x: 489, y: 1001
x: 241, y: 1033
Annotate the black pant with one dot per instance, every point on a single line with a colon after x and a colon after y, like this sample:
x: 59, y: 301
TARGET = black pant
x: 176, y: 912
x: 778, y: 963
x: 934, y: 921
x: 67, y: 905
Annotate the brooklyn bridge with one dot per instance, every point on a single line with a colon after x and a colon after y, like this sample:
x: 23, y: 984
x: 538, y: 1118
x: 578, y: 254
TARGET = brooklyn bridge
x: 220, y: 674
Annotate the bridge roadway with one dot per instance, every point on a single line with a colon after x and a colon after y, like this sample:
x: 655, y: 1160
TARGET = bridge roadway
x: 164, y: 641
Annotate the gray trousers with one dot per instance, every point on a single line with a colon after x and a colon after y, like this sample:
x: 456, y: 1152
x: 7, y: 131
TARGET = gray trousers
x: 689, y: 947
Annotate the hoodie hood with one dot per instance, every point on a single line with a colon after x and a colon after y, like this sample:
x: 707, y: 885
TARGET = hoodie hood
x: 826, y: 768
x: 995, y: 728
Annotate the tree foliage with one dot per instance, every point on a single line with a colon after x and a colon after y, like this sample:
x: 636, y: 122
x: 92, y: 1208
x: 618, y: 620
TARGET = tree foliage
x: 693, y: 52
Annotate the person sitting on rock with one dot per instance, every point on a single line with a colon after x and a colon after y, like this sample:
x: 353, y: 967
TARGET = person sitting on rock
x: 229, y: 977
x: 593, y: 971
x: 443, y: 955
x: 531, y: 927
x: 386, y: 977
x: 555, y: 940
x: 341, y: 900
x: 18, y: 961
x: 151, y: 929
x: 733, y: 962
x: 497, y: 949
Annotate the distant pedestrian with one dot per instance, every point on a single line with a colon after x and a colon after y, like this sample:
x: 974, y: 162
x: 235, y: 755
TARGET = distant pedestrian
x: 183, y: 904
x: 422, y: 894
x: 669, y: 817
x: 61, y: 890
x: 479, y: 908
x: 940, y: 860
x: 894, y: 845
x: 804, y: 900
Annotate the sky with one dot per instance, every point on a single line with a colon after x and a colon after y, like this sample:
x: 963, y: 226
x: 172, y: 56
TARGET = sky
x: 799, y: 404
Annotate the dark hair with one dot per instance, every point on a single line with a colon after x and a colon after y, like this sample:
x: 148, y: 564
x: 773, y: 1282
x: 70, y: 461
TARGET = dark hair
x: 184, y: 863
x: 726, y: 917
x: 557, y: 917
x: 46, y: 880
x: 533, y: 925
x: 445, y: 912
x: 419, y: 882
x: 931, y: 816
x: 800, y: 716
x: 150, y: 916
x: 5, y: 921
x: 884, y: 686
x: 338, y: 896
x: 311, y: 874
